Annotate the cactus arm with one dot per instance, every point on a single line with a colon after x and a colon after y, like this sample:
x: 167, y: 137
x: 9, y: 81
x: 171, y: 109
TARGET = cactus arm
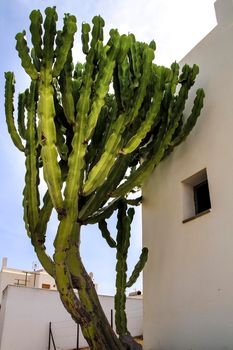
x: 138, y: 177
x: 104, y: 213
x: 148, y: 56
x: 138, y: 268
x: 46, y: 111
x: 106, y: 234
x: 63, y: 50
x: 97, y: 30
x: 32, y: 171
x: 48, y: 39
x: 85, y: 37
x: 61, y: 142
x: 52, y: 172
x: 136, y: 201
x: 76, y: 164
x: 38, y: 235
x: 9, y: 110
x: 21, y: 114
x: 101, y: 196
x: 23, y: 52
x: 102, y: 86
x: 191, y: 121
x: 100, y: 171
x: 118, y: 52
x: 124, y: 219
x: 36, y: 31
x: 151, y: 116
x: 135, y: 57
x: 67, y: 90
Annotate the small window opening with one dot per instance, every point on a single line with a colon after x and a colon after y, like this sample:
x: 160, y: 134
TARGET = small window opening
x: 45, y: 286
x: 196, y: 196
x: 201, y: 197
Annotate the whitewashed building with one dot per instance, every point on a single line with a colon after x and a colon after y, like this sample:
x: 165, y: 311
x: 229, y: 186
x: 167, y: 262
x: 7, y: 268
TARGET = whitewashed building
x: 30, y: 306
x: 27, y: 314
x: 36, y: 278
x: 188, y: 215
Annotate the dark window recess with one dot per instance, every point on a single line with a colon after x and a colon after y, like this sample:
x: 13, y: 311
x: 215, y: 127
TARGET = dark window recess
x: 201, y: 197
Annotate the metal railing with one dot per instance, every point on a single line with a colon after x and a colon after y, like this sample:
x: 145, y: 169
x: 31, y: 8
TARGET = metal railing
x: 56, y: 333
x: 51, y: 338
x: 51, y: 341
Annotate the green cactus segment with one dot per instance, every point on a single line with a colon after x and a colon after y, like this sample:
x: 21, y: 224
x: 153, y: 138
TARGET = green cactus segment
x: 67, y: 37
x: 21, y: 115
x: 106, y: 234
x: 32, y: 171
x: 64, y: 285
x: 148, y: 56
x: 61, y: 143
x: 23, y: 52
x: 102, y: 85
x: 152, y: 114
x: 135, y: 57
x: 136, y: 201
x: 46, y: 110
x: 101, y: 196
x: 52, y: 172
x: 49, y: 36
x: 85, y: 37
x: 186, y: 80
x: 76, y: 160
x: 66, y: 85
x: 104, y: 213
x: 9, y: 110
x: 100, y: 171
x: 191, y: 121
x: 38, y: 235
x: 141, y: 174
x: 124, y: 219
x: 36, y: 31
x: 44, y: 216
x: 138, y: 268
x: 97, y: 30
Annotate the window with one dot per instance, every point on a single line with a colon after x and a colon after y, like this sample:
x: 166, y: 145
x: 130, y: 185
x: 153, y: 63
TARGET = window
x: 196, y: 196
x: 201, y: 197
x: 45, y: 286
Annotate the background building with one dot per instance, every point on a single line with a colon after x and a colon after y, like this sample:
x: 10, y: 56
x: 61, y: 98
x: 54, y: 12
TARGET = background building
x: 188, y: 215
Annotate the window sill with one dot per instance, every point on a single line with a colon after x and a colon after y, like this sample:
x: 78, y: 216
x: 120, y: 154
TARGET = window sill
x: 197, y: 216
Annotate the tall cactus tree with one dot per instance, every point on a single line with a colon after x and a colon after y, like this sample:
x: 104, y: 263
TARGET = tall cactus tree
x: 98, y: 130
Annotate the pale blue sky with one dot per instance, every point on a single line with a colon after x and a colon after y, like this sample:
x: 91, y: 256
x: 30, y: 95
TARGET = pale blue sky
x: 176, y: 26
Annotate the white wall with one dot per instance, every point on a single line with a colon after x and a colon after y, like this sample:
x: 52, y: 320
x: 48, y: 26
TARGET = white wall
x: 188, y: 280
x: 15, y: 276
x: 26, y: 313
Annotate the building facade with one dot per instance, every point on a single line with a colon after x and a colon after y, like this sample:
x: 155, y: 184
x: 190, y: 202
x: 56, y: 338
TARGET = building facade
x: 188, y: 215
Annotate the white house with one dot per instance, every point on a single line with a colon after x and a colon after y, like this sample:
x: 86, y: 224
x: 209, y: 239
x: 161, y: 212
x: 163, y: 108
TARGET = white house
x: 188, y: 215
x: 26, y: 314
x: 30, y: 304
x: 36, y: 278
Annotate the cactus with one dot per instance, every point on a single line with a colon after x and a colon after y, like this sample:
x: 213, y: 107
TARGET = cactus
x: 98, y: 130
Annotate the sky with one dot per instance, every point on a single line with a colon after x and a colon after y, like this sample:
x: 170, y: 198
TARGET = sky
x: 175, y: 25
